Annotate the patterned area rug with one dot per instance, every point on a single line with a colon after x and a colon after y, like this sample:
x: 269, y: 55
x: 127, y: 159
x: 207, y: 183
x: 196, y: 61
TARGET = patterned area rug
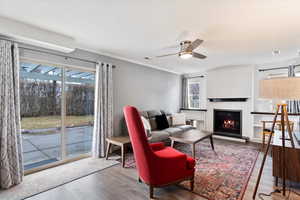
x: 222, y: 174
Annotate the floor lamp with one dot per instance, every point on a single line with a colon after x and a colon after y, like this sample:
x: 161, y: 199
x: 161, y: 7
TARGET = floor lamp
x: 279, y: 89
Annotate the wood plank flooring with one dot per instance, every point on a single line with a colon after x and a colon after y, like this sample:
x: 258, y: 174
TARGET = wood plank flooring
x: 116, y: 183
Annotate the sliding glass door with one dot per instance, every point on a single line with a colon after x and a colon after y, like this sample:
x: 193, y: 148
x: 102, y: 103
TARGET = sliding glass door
x: 79, y: 120
x: 57, y: 106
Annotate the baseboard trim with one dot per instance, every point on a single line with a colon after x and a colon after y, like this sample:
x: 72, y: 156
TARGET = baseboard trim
x: 243, y: 140
x: 256, y: 140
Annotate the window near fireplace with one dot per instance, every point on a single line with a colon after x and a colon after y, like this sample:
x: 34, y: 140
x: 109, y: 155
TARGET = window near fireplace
x: 194, y: 95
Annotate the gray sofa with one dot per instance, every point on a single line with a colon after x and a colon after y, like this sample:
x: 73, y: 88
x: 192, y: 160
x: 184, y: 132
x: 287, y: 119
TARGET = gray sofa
x: 162, y: 135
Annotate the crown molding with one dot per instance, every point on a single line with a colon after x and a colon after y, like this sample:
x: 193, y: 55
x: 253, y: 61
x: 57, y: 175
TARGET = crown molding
x: 101, y: 53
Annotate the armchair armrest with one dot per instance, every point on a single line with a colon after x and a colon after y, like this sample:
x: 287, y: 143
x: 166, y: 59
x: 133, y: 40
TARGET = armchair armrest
x: 157, y: 146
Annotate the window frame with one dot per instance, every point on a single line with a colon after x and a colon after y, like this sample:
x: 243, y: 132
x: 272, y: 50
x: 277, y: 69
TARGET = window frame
x: 189, y: 96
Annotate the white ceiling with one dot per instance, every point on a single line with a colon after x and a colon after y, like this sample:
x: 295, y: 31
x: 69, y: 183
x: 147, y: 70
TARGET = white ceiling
x: 234, y: 31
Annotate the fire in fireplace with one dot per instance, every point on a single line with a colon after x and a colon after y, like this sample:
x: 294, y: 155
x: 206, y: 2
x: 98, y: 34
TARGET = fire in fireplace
x: 228, y: 122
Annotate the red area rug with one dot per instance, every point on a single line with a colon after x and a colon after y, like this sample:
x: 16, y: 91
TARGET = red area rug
x: 220, y: 175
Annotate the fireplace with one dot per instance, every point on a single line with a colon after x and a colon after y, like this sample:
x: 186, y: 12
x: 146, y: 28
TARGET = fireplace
x: 228, y: 122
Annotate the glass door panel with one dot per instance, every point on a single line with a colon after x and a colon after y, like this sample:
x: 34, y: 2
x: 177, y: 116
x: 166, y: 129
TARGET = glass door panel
x: 40, y: 106
x: 79, y: 119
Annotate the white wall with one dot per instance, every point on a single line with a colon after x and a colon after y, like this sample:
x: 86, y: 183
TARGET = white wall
x: 230, y: 82
x: 145, y: 88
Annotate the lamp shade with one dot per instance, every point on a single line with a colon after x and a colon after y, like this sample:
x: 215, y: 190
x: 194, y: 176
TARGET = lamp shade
x: 287, y: 88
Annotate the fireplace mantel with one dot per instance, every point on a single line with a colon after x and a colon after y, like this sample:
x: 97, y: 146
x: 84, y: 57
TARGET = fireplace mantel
x: 243, y: 99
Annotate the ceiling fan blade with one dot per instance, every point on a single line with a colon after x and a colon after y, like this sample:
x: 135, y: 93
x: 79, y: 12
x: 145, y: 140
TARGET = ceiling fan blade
x: 194, y: 45
x: 171, y: 47
x: 171, y: 54
x: 198, y: 55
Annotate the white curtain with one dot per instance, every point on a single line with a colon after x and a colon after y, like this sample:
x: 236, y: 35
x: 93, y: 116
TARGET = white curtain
x: 11, y: 165
x: 185, y: 103
x: 293, y: 105
x: 103, y: 124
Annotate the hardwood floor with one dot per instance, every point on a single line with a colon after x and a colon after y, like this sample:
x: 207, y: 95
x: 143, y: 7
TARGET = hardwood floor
x: 117, y: 183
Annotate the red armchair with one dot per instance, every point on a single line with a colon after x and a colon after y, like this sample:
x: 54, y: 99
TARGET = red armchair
x: 157, y: 165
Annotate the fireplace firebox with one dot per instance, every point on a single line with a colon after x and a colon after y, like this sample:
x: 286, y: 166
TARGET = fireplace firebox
x: 228, y: 122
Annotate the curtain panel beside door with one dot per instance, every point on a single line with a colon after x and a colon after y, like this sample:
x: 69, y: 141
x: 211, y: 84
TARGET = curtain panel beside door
x: 11, y: 165
x: 184, y: 101
x: 103, y: 114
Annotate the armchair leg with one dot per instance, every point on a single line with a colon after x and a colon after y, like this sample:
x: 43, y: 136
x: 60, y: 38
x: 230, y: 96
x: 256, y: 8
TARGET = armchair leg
x: 151, y: 192
x: 192, y: 184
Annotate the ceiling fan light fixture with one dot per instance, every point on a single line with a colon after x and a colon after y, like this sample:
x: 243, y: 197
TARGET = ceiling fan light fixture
x: 185, y: 55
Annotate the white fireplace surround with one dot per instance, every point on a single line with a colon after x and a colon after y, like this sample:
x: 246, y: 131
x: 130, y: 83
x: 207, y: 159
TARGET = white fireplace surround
x: 231, y: 82
x: 245, y: 107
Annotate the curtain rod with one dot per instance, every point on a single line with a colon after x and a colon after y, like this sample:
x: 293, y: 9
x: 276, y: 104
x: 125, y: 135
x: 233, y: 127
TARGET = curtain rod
x: 276, y: 68
x: 54, y: 54
x: 195, y: 77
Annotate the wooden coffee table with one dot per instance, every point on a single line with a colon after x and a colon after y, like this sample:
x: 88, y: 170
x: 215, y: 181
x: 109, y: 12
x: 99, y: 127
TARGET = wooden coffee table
x: 192, y: 137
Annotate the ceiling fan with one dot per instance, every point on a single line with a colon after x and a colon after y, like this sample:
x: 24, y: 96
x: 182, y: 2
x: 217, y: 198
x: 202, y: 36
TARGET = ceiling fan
x: 187, y: 48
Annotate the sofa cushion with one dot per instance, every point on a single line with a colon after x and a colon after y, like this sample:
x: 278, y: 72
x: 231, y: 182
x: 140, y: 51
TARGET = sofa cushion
x: 157, y: 136
x: 169, y: 118
x: 144, y: 114
x: 161, y: 122
x: 153, y: 113
x: 147, y: 126
x: 153, y: 124
x: 173, y: 130
x: 185, y: 127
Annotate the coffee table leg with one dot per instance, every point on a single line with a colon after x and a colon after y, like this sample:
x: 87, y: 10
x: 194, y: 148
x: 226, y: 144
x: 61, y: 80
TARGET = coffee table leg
x: 193, y: 150
x: 212, y: 143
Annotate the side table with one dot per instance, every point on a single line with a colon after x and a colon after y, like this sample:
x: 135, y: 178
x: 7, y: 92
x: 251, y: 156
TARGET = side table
x: 120, y: 141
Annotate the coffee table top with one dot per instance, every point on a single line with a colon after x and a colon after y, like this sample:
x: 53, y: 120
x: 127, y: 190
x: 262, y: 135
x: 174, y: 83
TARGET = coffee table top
x: 192, y: 136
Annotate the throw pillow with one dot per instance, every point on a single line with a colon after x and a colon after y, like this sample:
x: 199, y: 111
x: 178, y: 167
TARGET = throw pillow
x: 147, y: 126
x: 178, y: 119
x: 162, y: 122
